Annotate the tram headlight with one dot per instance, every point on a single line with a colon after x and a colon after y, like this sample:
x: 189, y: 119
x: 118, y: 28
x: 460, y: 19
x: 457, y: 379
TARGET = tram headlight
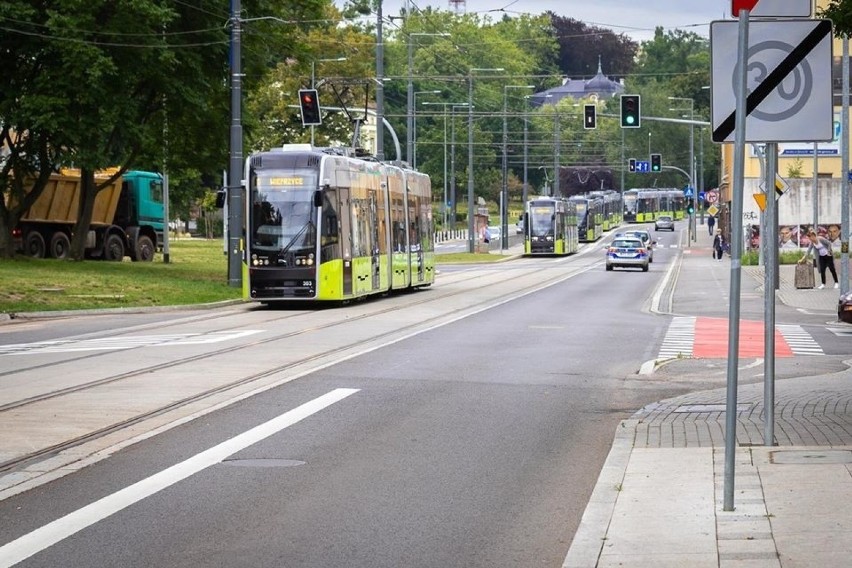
x: 310, y: 261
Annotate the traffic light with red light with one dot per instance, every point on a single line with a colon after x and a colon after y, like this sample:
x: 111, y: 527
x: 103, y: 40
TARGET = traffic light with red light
x: 309, y: 104
x: 591, y: 119
x: 630, y: 113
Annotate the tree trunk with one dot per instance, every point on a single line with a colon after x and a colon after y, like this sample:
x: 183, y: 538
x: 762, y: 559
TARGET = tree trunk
x: 85, y: 207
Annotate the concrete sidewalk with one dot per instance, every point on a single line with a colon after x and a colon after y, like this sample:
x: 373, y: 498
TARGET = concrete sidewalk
x: 659, y: 499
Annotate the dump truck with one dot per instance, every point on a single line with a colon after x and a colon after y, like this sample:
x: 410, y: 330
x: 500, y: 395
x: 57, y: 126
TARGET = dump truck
x: 127, y: 219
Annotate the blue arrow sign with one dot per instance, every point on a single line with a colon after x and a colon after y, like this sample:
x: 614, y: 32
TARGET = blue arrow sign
x: 643, y: 166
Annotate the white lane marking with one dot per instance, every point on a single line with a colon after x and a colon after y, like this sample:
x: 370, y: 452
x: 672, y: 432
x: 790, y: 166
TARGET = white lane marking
x: 680, y: 338
x: 51, y: 533
x: 800, y: 341
x: 126, y: 342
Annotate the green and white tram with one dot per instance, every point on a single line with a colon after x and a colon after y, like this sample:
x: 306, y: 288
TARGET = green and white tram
x: 326, y: 226
x: 550, y: 227
x: 589, y: 217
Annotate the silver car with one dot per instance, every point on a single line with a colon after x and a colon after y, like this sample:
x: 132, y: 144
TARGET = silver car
x: 627, y: 251
x: 664, y: 223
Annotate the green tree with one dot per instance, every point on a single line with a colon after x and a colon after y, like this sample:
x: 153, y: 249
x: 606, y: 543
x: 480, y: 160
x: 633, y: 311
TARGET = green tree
x: 581, y: 46
x: 840, y: 13
x: 131, y: 84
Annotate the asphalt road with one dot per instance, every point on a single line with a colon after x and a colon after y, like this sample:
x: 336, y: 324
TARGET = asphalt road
x: 476, y: 443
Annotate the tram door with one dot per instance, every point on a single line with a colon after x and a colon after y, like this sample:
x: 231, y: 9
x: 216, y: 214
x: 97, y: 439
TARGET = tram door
x: 346, y: 239
x: 375, y: 257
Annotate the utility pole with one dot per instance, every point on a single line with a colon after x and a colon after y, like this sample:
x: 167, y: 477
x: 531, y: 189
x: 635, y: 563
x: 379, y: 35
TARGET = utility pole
x: 235, y: 213
x: 380, y: 86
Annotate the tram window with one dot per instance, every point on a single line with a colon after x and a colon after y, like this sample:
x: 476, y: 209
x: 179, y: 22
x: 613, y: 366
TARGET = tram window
x: 329, y: 221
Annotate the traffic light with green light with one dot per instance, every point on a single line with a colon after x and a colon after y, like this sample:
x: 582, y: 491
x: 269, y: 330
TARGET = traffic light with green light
x: 690, y: 208
x: 631, y: 165
x: 630, y: 113
x: 309, y: 104
x: 656, y: 162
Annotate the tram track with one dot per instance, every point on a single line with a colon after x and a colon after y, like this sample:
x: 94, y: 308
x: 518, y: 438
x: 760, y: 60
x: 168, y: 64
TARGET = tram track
x: 384, y: 307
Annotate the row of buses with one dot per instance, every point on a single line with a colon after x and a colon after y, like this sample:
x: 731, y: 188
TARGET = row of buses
x: 556, y: 225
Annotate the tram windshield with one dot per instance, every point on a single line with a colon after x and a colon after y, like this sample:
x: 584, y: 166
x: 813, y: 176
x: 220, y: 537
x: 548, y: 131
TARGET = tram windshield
x: 541, y: 220
x: 582, y: 208
x: 630, y: 202
x: 283, y: 214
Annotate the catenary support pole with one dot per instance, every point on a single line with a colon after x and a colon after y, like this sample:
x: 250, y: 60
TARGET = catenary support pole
x: 235, y: 168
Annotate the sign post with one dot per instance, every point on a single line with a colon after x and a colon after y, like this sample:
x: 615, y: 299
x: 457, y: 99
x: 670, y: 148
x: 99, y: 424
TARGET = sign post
x: 790, y: 98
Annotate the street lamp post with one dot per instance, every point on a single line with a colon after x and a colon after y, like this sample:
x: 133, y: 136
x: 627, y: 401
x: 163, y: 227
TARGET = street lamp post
x: 471, y: 237
x: 314, y: 81
x: 414, y: 125
x: 557, y: 142
x: 692, y: 164
x: 445, y: 105
x: 453, y: 161
x: 504, y: 221
x: 409, y: 123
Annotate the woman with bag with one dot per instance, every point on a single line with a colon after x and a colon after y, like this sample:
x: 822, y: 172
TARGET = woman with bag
x: 718, y: 245
x: 824, y: 255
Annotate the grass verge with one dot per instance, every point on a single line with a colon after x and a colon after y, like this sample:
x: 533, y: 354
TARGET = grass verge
x: 197, y: 273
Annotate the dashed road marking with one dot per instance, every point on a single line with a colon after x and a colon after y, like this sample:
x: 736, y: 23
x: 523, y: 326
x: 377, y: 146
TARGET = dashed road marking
x: 799, y: 340
x: 679, y: 339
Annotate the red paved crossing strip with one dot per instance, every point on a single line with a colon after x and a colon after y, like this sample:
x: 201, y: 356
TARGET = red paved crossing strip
x: 711, y: 339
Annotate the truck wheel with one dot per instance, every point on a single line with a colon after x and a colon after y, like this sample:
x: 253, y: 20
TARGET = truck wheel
x: 113, y: 248
x: 35, y: 246
x: 60, y: 245
x: 144, y: 249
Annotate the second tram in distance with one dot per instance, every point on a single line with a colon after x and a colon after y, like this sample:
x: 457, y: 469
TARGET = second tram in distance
x: 550, y: 227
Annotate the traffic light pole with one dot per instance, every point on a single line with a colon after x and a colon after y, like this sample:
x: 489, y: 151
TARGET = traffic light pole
x: 692, y: 227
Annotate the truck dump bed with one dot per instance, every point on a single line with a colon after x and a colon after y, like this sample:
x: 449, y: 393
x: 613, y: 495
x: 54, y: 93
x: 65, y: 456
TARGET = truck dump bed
x: 60, y: 199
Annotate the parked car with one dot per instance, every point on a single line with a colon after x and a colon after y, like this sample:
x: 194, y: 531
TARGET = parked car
x: 494, y: 232
x: 627, y: 252
x: 664, y: 223
x: 844, y: 308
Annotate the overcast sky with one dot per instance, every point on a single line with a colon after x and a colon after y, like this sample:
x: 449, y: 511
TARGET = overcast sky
x: 636, y: 18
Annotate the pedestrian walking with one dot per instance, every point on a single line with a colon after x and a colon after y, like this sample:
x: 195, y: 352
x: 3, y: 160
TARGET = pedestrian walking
x: 718, y: 245
x: 821, y: 247
x: 711, y: 222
